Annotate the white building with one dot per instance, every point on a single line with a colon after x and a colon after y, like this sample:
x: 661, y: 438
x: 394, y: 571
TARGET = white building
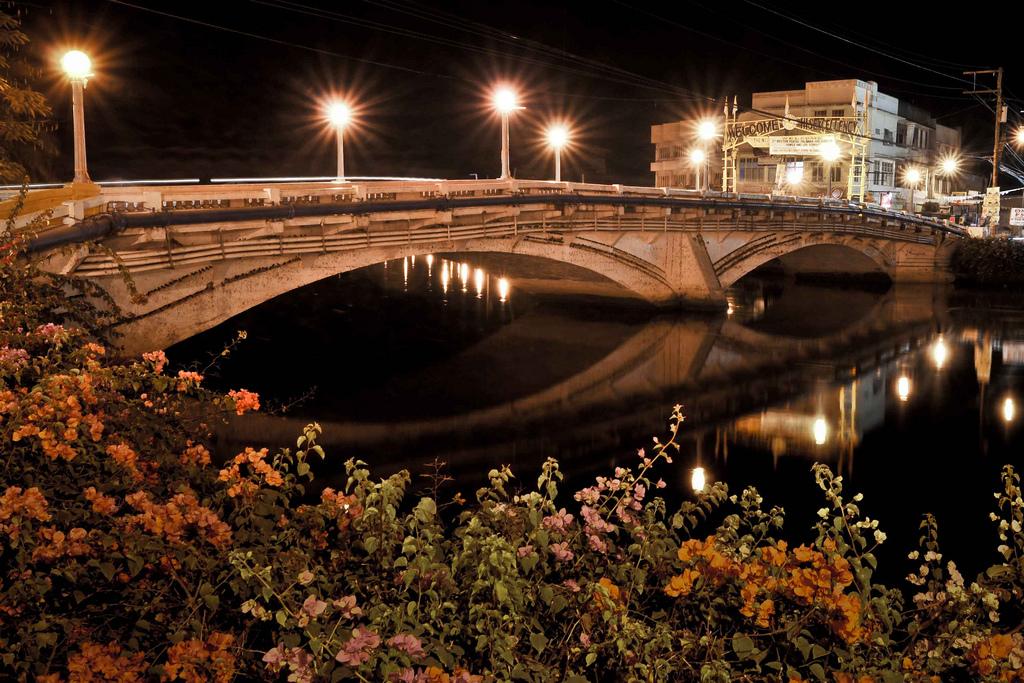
x: 776, y: 147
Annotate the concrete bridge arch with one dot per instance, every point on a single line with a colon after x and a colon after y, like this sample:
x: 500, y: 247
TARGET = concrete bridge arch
x: 182, y: 302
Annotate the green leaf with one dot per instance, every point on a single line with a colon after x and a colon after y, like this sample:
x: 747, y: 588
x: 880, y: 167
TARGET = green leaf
x: 591, y: 658
x: 501, y: 592
x: 281, y: 617
x: 539, y: 642
x: 742, y: 646
x: 108, y: 570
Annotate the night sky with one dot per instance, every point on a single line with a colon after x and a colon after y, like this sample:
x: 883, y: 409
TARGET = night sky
x: 174, y: 98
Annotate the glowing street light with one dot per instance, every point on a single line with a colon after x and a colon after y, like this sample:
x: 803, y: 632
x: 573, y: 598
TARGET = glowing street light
x: 697, y: 159
x: 949, y: 165
x: 340, y: 116
x: 558, y: 137
x: 505, y: 102
x: 912, y: 176
x: 1018, y: 137
x: 829, y: 152
x: 503, y: 289
x: 1009, y: 409
x: 794, y: 176
x: 707, y: 131
x: 78, y: 68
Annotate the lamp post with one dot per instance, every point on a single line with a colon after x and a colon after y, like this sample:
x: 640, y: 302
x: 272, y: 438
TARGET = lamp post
x: 697, y: 159
x: 506, y: 102
x: 78, y: 68
x: 912, y: 176
x: 706, y: 132
x: 829, y: 152
x: 340, y: 115
x: 558, y: 137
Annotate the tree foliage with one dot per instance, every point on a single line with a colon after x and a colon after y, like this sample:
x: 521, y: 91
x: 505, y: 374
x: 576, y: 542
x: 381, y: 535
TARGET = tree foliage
x: 24, y: 113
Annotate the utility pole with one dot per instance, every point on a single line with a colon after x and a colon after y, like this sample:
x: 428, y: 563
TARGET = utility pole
x: 997, y: 146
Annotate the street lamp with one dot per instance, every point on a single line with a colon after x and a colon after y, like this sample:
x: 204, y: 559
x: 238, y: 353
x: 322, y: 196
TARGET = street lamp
x: 706, y: 132
x: 829, y: 151
x: 506, y: 102
x: 78, y: 68
x: 558, y: 137
x: 912, y: 176
x: 340, y: 115
x: 1018, y: 137
x: 697, y: 159
x: 794, y: 176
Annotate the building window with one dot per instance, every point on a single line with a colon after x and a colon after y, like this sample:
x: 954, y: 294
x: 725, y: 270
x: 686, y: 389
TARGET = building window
x: 817, y: 173
x: 838, y: 112
x: 887, y: 137
x: 882, y: 172
x: 901, y: 133
x: 821, y: 112
x: 749, y: 170
x: 836, y: 172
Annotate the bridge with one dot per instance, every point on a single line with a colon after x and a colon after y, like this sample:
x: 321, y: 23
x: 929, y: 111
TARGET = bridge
x: 179, y: 259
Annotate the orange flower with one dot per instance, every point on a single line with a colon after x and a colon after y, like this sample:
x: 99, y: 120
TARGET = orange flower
x: 102, y: 504
x: 245, y: 401
x: 681, y: 584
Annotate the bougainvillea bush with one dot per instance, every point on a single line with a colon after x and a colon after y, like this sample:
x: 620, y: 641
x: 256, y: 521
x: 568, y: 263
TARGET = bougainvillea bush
x: 127, y: 554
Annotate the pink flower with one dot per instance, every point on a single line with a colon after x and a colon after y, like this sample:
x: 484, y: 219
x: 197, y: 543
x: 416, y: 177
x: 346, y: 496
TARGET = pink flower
x: 584, y: 640
x: 347, y: 606
x: 597, y: 543
x: 314, y: 607
x: 357, y: 649
x: 571, y: 585
x: 559, y: 521
x: 661, y: 484
x: 524, y: 550
x: 407, y: 643
x: 561, y: 551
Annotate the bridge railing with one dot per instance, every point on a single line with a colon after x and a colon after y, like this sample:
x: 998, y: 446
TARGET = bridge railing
x: 156, y: 198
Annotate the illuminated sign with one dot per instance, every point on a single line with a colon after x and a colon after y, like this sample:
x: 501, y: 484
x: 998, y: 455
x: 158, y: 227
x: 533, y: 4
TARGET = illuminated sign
x: 738, y: 131
x: 798, y: 145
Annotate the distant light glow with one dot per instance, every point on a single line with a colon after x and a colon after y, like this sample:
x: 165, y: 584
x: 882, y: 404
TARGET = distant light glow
x: 444, y: 277
x: 912, y: 175
x: 697, y: 157
x: 829, y: 151
x: 949, y: 164
x: 820, y: 431
x: 794, y: 175
x: 558, y: 136
x: 76, y: 65
x: 903, y: 388
x: 405, y: 270
x: 707, y: 130
x: 503, y: 289
x: 1019, y: 136
x: 939, y: 352
x: 1009, y: 409
x: 505, y: 100
x: 698, y: 480
x: 339, y: 114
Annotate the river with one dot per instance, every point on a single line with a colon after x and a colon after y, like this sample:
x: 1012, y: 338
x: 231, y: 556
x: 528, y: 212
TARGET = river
x: 913, y: 393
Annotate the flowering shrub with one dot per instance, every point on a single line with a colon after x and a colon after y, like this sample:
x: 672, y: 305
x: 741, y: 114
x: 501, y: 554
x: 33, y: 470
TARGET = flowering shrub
x: 126, y: 554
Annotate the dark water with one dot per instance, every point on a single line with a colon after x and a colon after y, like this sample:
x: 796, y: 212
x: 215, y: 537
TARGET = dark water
x: 913, y: 394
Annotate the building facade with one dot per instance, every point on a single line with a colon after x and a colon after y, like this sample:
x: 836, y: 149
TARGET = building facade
x: 782, y: 144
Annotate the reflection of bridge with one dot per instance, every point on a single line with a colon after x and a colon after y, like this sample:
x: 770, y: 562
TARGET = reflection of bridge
x: 716, y: 369
x: 198, y: 255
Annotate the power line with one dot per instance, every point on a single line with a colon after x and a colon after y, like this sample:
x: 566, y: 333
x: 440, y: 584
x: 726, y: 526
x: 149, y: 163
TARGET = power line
x: 860, y: 45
